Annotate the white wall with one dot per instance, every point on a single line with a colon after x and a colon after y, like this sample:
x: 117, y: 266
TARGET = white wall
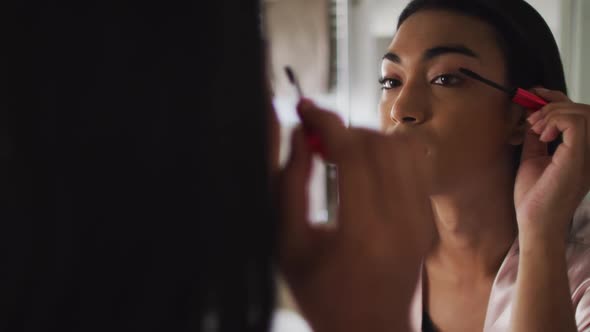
x: 576, y: 46
x: 372, y: 26
x: 551, y: 12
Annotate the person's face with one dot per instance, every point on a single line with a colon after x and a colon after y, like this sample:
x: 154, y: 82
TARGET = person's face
x: 468, y: 127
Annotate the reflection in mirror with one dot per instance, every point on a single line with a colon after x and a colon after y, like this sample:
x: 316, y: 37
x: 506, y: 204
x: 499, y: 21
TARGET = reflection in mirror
x: 311, y: 36
x: 336, y: 47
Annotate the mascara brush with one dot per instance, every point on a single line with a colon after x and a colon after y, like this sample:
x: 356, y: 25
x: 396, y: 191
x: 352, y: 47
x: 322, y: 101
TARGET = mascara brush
x: 518, y: 96
x: 294, y: 81
x: 313, y: 140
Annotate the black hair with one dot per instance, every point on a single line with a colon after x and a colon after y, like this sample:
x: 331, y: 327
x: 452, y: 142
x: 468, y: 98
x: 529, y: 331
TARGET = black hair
x: 530, y: 50
x: 133, y: 198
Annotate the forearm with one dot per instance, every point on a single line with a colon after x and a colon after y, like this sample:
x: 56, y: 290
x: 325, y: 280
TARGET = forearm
x: 542, y: 300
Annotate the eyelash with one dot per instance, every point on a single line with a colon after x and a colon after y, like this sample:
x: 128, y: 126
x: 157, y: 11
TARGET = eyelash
x: 384, y: 80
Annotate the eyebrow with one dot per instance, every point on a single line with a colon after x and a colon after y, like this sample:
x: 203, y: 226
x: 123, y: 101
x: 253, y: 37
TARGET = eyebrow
x: 437, y: 51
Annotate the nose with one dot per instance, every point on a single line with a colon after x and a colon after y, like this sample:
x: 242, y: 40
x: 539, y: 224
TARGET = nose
x: 410, y: 107
x: 407, y: 120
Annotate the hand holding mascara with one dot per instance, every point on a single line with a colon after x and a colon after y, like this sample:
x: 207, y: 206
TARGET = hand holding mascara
x: 518, y: 96
x: 312, y: 138
x: 328, y: 213
x: 362, y: 233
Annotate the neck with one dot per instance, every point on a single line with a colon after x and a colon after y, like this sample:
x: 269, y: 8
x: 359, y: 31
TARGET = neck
x: 476, y: 226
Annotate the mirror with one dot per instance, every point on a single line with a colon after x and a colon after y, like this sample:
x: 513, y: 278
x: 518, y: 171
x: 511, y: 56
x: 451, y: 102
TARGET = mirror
x: 336, y: 47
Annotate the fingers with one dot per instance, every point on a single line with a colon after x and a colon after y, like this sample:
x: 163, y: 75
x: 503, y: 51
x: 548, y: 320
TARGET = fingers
x: 574, y: 129
x: 299, y: 239
x: 532, y: 146
x: 549, y: 132
x: 374, y: 170
x: 560, y: 105
x: 344, y: 148
x: 570, y: 161
x: 357, y: 185
x: 556, y: 99
x: 354, y: 152
x: 329, y: 129
x: 298, y: 167
x: 538, y: 120
x: 571, y: 121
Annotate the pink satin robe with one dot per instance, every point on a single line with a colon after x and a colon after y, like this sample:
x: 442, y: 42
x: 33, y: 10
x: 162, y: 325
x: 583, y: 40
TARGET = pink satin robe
x: 500, y: 303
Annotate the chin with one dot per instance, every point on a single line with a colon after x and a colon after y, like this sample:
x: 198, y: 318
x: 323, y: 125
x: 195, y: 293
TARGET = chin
x: 441, y: 174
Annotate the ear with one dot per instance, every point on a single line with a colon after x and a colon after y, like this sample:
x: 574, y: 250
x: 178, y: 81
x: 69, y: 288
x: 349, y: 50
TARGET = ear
x: 517, y: 125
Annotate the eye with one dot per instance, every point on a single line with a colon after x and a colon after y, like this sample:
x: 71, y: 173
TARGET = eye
x: 447, y: 80
x: 389, y: 83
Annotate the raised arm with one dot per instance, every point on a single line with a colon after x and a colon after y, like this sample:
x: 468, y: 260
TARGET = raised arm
x: 548, y: 189
x: 360, y: 275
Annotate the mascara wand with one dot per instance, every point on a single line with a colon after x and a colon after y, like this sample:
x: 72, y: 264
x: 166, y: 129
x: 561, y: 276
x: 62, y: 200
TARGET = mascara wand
x: 294, y: 81
x: 518, y: 96
x: 313, y: 140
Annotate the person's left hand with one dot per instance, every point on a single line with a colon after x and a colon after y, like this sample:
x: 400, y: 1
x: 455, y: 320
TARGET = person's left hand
x: 548, y: 189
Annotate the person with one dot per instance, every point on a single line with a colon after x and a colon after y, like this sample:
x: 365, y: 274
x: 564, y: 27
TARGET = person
x: 460, y: 214
x: 133, y: 198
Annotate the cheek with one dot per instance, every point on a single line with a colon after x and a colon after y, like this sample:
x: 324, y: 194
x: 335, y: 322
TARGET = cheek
x: 471, y: 138
x: 472, y: 132
x: 475, y: 115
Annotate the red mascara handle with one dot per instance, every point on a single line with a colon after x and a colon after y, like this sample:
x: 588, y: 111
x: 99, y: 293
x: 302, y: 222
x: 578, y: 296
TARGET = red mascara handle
x: 528, y: 100
x: 313, y: 139
x: 314, y: 142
